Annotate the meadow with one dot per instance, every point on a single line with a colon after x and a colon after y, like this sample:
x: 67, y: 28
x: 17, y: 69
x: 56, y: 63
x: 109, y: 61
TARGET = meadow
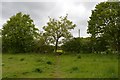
x: 63, y: 66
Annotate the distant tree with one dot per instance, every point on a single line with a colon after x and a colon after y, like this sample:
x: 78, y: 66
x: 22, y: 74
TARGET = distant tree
x: 18, y: 33
x: 57, y: 29
x: 105, y: 23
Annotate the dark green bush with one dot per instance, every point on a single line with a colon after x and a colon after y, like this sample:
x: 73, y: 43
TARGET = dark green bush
x: 75, y: 68
x: 38, y: 70
x: 49, y: 62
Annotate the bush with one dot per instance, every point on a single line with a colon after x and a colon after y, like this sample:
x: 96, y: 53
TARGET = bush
x: 78, y: 45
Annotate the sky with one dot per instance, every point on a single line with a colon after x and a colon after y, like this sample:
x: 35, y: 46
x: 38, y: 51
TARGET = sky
x: 77, y: 10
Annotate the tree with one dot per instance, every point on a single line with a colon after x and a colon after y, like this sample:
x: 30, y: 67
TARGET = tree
x: 105, y: 23
x: 57, y: 29
x: 18, y: 33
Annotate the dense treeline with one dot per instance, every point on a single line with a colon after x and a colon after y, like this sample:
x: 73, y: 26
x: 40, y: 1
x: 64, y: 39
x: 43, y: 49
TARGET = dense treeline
x: 19, y: 34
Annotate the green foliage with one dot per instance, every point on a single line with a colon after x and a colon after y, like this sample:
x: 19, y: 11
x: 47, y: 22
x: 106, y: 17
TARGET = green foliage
x: 41, y: 45
x: 57, y: 29
x: 77, y: 45
x: 18, y: 34
x: 99, y: 44
x: 73, y: 45
x: 105, y: 23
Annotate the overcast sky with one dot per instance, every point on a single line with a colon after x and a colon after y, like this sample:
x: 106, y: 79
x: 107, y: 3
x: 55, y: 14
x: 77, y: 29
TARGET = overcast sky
x: 78, y: 12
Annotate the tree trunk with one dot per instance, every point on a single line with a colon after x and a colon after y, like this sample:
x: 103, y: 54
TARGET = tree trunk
x: 56, y: 45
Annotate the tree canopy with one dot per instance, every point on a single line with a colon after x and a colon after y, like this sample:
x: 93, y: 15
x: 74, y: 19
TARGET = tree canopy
x: 18, y: 33
x: 57, y: 29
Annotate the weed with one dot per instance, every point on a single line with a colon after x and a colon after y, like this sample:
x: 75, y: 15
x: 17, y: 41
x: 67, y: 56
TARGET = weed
x: 38, y: 70
x: 14, y: 75
x: 75, y: 68
x: 22, y: 59
x: 49, y: 62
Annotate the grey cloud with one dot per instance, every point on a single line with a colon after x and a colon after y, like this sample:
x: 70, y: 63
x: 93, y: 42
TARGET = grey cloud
x: 36, y: 9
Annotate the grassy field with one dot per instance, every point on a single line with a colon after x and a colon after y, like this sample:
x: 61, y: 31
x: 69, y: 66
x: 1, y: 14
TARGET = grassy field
x: 63, y: 66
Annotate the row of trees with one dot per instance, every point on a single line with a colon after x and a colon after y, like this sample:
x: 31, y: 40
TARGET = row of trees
x: 19, y: 34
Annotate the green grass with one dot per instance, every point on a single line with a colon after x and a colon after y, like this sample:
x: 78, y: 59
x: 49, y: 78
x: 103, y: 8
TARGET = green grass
x: 63, y: 66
